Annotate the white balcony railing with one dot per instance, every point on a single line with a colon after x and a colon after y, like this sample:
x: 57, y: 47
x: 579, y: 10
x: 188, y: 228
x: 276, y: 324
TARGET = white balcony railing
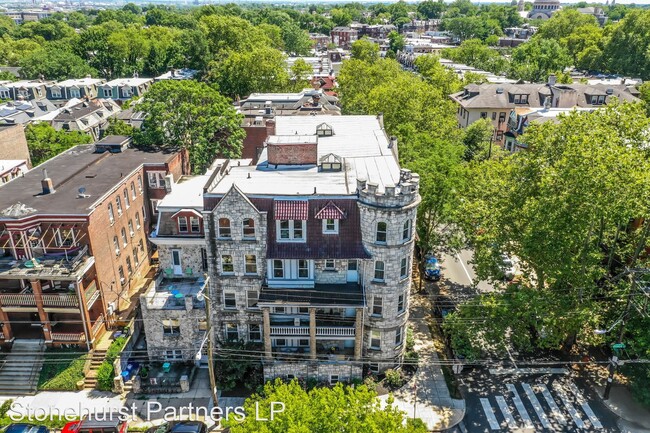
x: 66, y: 301
x: 321, y: 331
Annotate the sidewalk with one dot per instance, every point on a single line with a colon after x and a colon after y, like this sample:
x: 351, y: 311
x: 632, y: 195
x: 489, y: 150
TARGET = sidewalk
x: 427, y: 394
x: 634, y: 417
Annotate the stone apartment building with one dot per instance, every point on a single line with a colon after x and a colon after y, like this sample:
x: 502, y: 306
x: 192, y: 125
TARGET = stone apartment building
x: 73, y: 240
x: 503, y: 101
x: 308, y: 252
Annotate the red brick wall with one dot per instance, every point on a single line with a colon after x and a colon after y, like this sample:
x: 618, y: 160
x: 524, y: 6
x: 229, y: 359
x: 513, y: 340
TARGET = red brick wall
x: 293, y: 154
x: 13, y: 144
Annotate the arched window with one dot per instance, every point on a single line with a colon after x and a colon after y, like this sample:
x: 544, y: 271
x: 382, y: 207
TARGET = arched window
x: 137, y: 220
x: 133, y: 196
x: 140, y: 183
x: 118, y: 202
x: 111, y: 214
x: 224, y: 228
x: 127, y: 202
x: 249, y: 228
x: 116, y: 245
x: 381, y: 232
x: 131, y: 231
x: 125, y: 242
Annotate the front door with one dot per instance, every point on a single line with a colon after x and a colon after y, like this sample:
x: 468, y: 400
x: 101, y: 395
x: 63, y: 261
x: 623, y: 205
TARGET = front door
x: 176, y: 262
x: 353, y: 271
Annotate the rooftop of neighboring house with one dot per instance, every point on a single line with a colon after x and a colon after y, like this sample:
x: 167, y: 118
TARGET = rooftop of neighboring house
x: 9, y: 165
x: 343, y: 29
x: 186, y: 193
x: 21, y: 112
x: 80, y: 82
x: 78, y: 167
x: 508, y: 95
x: 27, y: 84
x: 133, y: 82
x: 178, y: 74
x: 86, y: 108
x: 305, y: 102
x: 320, y: 65
x: 13, y: 70
x: 297, y: 161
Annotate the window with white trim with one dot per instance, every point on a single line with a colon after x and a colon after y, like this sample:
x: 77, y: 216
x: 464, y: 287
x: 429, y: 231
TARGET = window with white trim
x: 232, y: 333
x: 107, y: 92
x: 140, y: 183
x: 171, y: 327
x: 111, y: 214
x: 56, y: 92
x: 227, y: 265
x: 116, y: 245
x: 182, y: 224
x: 195, y: 225
x: 254, y: 332
x: 118, y: 202
x: 377, y: 306
x: 125, y: 240
x: 291, y: 230
x: 379, y: 270
x: 250, y: 264
x: 330, y: 265
x: 398, y: 337
x: 248, y: 228
x: 224, y: 229
x: 120, y: 271
x: 127, y: 202
x: 400, y: 304
x: 129, y: 267
x: 156, y: 179
x: 252, y: 297
x: 303, y: 268
x: 131, y: 231
x: 334, y: 379
x: 278, y: 269
x: 229, y: 300
x: 330, y: 226
x: 404, y: 267
x: 382, y: 229
x: 407, y: 230
x: 137, y: 220
x: 133, y: 194
x: 375, y: 339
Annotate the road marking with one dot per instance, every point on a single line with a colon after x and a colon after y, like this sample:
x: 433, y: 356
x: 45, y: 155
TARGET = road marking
x: 505, y: 410
x: 538, y: 407
x: 528, y: 423
x: 572, y: 410
x: 585, y: 406
x: 460, y: 260
x: 494, y: 425
x: 555, y: 410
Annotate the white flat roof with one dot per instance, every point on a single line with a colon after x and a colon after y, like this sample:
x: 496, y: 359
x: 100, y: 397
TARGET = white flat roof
x: 128, y: 82
x: 186, y: 193
x: 359, y: 140
x: 79, y: 82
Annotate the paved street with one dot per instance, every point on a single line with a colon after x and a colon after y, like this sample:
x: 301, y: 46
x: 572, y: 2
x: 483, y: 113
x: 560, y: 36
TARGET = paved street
x: 457, y: 271
x: 532, y: 403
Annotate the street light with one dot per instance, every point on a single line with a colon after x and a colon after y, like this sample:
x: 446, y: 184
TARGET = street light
x: 607, y: 331
x: 213, y: 382
x: 614, y: 362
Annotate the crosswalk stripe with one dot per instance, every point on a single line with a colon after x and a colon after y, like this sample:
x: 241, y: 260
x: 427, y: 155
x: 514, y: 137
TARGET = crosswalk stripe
x: 555, y: 410
x: 494, y: 425
x: 585, y: 406
x: 528, y: 423
x: 538, y: 407
x: 572, y: 410
x: 505, y: 410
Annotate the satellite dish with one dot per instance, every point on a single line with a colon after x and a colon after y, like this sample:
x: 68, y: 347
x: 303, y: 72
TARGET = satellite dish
x: 82, y: 190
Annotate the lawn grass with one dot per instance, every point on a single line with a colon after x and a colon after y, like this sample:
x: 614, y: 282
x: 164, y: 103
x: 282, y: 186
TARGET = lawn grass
x: 62, y: 369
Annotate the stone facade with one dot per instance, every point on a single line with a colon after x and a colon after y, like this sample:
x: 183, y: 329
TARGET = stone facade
x: 191, y: 256
x: 321, y: 372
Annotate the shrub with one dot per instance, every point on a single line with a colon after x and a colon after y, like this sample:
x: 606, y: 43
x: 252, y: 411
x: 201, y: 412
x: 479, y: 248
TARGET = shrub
x: 62, y: 369
x: 394, y: 378
x: 370, y: 382
x: 231, y: 370
x: 5, y: 407
x: 106, y: 371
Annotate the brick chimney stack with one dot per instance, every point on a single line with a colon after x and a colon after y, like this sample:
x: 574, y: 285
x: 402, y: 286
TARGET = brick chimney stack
x: 47, y: 184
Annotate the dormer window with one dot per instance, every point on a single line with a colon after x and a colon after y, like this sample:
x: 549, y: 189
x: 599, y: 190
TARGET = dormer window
x: 598, y: 99
x: 107, y: 92
x: 182, y: 224
x: 521, y: 99
x: 324, y: 130
x: 75, y: 93
x: 56, y: 92
x: 195, y: 225
x: 127, y: 92
x: 331, y: 162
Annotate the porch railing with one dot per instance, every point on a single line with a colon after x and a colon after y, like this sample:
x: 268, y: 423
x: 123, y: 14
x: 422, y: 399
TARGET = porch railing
x: 321, y: 331
x: 29, y: 300
x: 75, y: 337
x: 60, y: 301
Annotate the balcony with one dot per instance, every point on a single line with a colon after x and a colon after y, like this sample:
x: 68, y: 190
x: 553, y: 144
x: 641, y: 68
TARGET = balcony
x: 68, y: 265
x: 29, y: 300
x: 335, y: 295
x: 321, y: 331
x: 68, y: 337
x: 166, y: 294
x: 92, y: 294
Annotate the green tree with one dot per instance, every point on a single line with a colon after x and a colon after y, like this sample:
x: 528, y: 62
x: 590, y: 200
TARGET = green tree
x: 13, y: 51
x: 563, y: 23
x: 258, y: 70
x: 7, y: 25
x: 475, y: 52
x: 365, y: 50
x: 296, y: 40
x: 396, y: 42
x: 191, y: 116
x: 563, y: 208
x: 431, y: 9
x: 342, y: 409
x: 229, y: 33
x: 301, y: 72
x: 54, y: 64
x: 477, y: 139
x: 118, y: 127
x: 628, y: 48
x: 534, y: 60
x: 437, y: 75
x: 644, y: 90
x: 45, y: 142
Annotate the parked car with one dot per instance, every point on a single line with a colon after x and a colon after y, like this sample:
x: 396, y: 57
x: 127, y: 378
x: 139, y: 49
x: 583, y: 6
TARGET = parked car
x: 431, y: 268
x: 180, y: 427
x: 507, y: 267
x: 25, y: 428
x: 113, y: 424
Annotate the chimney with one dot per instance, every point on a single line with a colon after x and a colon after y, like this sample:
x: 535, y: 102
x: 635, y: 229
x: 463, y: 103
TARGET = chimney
x: 47, y: 184
x: 552, y: 79
x: 270, y: 127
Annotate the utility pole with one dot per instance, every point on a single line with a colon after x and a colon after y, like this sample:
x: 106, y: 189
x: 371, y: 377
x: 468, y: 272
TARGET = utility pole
x: 208, y: 330
x: 613, y: 362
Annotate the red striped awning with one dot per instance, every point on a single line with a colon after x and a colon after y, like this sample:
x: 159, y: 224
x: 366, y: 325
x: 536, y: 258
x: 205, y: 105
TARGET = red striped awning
x: 330, y: 212
x: 290, y: 209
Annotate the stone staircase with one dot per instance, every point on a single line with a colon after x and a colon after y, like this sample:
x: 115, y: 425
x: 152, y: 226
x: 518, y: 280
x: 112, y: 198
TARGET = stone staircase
x: 20, y: 370
x: 96, y: 359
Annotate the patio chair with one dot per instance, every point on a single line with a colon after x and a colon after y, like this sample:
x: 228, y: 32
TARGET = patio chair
x: 189, y: 272
x: 169, y: 272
